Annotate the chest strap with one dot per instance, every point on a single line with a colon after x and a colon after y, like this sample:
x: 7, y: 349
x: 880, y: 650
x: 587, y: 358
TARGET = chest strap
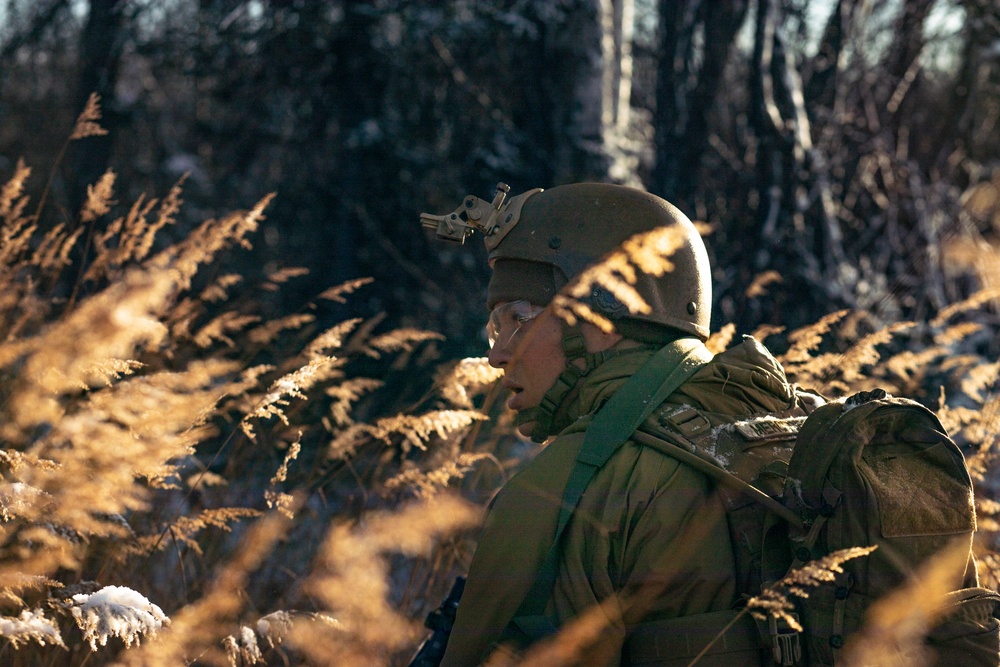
x: 611, y: 427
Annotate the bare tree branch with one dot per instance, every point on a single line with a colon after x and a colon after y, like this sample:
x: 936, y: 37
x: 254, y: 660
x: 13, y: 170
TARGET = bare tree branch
x: 43, y: 18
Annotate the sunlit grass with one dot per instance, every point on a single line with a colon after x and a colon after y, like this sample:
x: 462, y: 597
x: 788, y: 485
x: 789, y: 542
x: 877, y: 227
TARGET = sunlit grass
x: 162, y: 443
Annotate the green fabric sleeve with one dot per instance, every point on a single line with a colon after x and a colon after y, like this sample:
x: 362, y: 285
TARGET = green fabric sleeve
x: 651, y: 532
x: 515, y: 538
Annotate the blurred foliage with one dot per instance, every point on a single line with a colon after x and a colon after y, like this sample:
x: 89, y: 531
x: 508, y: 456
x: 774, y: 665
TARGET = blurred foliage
x: 830, y: 141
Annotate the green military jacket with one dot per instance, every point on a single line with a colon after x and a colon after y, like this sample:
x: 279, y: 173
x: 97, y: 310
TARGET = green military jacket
x: 649, y: 530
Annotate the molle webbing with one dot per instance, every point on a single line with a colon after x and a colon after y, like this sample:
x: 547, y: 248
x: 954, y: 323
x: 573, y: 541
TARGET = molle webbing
x: 611, y: 427
x: 689, y: 453
x: 731, y: 636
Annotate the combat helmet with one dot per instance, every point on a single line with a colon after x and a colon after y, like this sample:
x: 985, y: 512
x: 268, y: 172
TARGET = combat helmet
x: 541, y: 240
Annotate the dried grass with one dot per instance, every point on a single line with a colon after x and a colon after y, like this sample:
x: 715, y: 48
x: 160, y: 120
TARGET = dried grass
x: 198, y: 629
x: 618, y: 272
x: 895, y: 626
x: 774, y: 599
x: 145, y: 421
x: 117, y: 405
x: 758, y: 287
x: 350, y: 582
x: 87, y: 122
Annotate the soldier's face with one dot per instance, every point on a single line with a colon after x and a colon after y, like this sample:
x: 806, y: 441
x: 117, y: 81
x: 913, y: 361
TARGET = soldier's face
x: 531, y: 359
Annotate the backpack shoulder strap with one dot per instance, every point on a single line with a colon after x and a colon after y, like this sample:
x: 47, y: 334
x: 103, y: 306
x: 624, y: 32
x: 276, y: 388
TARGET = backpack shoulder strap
x: 611, y: 427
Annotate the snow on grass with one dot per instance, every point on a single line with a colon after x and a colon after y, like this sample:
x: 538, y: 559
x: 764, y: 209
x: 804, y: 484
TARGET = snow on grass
x: 30, y: 625
x: 116, y: 611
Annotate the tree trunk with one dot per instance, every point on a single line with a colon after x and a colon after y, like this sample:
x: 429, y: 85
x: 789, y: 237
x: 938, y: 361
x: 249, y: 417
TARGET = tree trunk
x: 904, y: 64
x: 100, y: 53
x: 673, y: 76
x: 793, y: 178
x: 821, y: 86
x: 982, y: 31
x: 618, y: 23
x: 578, y: 78
x: 686, y: 91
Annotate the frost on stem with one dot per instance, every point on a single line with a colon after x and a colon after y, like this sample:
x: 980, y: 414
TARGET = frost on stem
x: 243, y: 649
x: 116, y: 611
x: 274, y: 627
x: 292, y: 384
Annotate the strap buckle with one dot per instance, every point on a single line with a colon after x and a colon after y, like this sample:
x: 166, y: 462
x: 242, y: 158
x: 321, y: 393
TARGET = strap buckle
x: 688, y: 421
x: 786, y: 646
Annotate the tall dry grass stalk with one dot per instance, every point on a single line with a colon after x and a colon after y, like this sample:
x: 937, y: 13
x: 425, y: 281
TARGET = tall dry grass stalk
x: 150, y: 419
x: 349, y: 581
x: 197, y: 630
x: 580, y: 642
x: 186, y: 479
x: 896, y: 625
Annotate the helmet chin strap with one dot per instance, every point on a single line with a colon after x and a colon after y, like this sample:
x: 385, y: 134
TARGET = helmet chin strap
x: 574, y: 347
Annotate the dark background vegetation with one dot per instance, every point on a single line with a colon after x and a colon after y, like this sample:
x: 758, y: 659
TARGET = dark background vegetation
x: 831, y: 141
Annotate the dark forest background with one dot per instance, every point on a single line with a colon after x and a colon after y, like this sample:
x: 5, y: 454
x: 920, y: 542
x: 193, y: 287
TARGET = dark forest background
x: 836, y: 142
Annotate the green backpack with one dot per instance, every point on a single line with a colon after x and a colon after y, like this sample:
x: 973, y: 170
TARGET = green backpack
x: 872, y: 470
x: 800, y: 485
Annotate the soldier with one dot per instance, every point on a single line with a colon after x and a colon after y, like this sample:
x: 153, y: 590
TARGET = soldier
x: 648, y: 537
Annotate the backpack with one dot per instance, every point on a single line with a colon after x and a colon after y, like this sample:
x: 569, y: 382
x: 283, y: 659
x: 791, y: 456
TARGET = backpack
x: 872, y: 470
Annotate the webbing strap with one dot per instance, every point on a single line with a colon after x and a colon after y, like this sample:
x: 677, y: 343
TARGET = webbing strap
x: 732, y: 633
x: 611, y: 427
x: 659, y: 377
x: 839, y: 612
x: 697, y: 460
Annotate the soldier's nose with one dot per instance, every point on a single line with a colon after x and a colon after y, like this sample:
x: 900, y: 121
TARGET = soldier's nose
x: 498, y: 356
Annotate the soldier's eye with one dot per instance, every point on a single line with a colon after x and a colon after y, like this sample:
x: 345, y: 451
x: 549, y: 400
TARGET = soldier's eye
x: 506, y: 320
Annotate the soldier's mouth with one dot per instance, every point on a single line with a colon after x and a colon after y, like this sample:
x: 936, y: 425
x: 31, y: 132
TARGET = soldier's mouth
x: 512, y: 402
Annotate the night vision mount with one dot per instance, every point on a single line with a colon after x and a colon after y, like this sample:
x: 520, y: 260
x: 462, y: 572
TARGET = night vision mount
x: 468, y: 217
x: 493, y: 219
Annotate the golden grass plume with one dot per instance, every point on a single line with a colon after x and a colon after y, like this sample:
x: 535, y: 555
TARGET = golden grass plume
x: 350, y: 582
x: 895, y: 625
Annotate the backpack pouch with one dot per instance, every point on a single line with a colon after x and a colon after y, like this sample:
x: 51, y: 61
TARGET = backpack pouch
x: 970, y: 634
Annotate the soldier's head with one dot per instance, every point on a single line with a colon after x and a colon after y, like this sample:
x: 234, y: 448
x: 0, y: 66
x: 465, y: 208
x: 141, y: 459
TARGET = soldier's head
x: 540, y: 241
x: 546, y: 238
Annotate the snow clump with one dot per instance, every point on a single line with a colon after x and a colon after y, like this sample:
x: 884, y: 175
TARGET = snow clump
x: 116, y: 611
x: 30, y: 625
